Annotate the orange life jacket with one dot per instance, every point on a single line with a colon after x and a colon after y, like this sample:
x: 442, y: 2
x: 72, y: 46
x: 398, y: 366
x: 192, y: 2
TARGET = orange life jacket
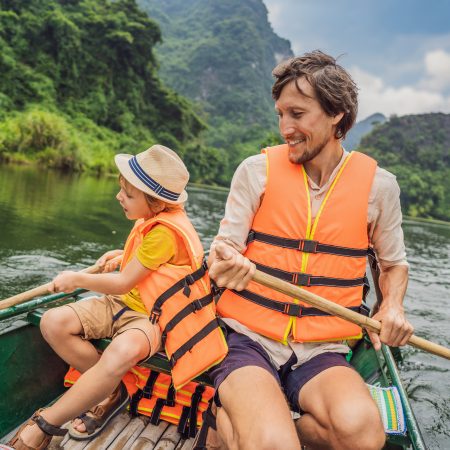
x: 325, y: 255
x: 179, y: 299
x: 153, y: 394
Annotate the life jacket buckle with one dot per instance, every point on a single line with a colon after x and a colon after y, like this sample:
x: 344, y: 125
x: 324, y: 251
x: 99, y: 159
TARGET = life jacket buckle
x: 293, y: 309
x: 301, y: 279
x: 364, y: 310
x: 196, y: 305
x: 308, y: 246
x: 154, y: 315
x: 250, y: 237
x: 190, y: 279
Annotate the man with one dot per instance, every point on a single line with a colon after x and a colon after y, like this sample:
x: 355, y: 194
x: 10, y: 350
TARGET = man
x: 277, y: 348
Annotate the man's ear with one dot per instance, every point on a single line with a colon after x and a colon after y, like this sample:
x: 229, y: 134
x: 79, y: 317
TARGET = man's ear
x: 337, y: 118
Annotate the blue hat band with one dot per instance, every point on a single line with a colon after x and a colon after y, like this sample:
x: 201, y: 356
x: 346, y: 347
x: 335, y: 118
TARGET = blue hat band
x: 150, y: 182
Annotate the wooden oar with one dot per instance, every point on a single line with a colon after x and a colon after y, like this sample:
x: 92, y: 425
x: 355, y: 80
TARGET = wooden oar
x: 45, y: 288
x: 344, y: 313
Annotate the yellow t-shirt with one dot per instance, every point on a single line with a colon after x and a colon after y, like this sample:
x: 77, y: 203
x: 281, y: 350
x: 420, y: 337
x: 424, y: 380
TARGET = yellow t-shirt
x: 158, y: 247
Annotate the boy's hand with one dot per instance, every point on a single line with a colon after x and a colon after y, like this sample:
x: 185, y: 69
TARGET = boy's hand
x: 105, y: 262
x: 66, y: 281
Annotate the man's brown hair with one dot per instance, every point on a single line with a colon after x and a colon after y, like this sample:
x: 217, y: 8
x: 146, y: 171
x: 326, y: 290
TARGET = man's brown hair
x: 334, y: 88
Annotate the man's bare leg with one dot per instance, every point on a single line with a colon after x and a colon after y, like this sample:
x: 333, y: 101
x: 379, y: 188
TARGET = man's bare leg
x: 339, y: 413
x: 255, y: 413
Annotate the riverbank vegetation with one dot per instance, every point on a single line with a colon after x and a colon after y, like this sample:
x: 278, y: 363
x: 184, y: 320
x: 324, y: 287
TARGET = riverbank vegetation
x: 416, y: 149
x: 79, y: 84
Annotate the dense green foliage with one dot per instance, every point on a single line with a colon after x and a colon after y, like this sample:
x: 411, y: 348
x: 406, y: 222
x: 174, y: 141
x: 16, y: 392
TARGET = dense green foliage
x: 84, y: 70
x: 221, y: 54
x: 417, y: 150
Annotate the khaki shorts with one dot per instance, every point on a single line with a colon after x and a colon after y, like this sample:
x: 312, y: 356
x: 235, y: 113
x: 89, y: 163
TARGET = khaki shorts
x: 96, y: 315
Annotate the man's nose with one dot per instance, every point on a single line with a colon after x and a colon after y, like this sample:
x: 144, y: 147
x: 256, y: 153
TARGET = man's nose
x: 286, y: 130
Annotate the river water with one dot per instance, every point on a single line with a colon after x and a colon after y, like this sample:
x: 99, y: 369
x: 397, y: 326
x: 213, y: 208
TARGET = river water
x: 51, y: 221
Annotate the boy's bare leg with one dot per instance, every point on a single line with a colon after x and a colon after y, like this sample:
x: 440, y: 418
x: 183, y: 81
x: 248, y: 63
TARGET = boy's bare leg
x: 339, y: 412
x: 97, y: 383
x: 62, y: 328
x: 255, y: 413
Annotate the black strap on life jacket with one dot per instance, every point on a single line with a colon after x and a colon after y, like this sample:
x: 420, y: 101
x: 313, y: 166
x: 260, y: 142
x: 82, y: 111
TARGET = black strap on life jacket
x: 170, y: 400
x: 305, y: 245
x: 195, y: 402
x: 184, y: 284
x: 305, y: 279
x: 118, y: 315
x: 192, y: 307
x: 291, y: 309
x: 145, y: 392
x: 155, y: 418
x: 188, y: 345
x: 183, y: 428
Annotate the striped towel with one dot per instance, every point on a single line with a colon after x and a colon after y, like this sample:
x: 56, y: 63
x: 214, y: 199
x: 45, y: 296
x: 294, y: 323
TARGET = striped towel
x: 391, y: 410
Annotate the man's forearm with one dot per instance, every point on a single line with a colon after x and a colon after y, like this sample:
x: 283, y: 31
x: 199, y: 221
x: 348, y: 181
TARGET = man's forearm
x: 393, y: 284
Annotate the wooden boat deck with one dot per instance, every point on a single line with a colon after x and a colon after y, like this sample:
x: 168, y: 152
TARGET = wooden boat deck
x: 126, y: 432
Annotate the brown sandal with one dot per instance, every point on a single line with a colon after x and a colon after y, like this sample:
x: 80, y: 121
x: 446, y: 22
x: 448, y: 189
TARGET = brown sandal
x: 100, y: 415
x: 49, y: 430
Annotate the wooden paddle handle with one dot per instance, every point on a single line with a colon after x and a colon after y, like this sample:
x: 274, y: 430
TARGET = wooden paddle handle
x: 339, y: 311
x: 45, y: 288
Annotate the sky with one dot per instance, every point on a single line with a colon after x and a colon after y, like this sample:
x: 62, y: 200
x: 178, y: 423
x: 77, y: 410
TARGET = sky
x: 397, y: 51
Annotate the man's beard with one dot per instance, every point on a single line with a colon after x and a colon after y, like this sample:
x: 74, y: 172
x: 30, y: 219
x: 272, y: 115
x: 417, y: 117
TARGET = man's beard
x: 308, y: 155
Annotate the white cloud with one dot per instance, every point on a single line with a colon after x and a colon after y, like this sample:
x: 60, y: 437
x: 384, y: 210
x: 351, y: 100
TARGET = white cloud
x: 437, y: 66
x: 426, y: 96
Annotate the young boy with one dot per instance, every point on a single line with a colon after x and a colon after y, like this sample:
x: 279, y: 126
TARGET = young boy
x: 161, y: 275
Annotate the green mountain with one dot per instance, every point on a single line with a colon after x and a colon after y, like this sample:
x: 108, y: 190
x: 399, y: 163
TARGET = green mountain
x: 416, y: 149
x: 220, y: 54
x: 360, y: 129
x: 79, y: 83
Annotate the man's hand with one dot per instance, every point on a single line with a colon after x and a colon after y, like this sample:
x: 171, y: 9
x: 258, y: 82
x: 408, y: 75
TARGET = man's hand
x: 105, y: 261
x: 66, y: 281
x: 395, y: 328
x: 228, y: 268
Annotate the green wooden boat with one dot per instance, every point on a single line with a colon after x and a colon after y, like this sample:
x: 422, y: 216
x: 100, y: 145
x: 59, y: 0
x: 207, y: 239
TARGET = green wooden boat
x: 32, y: 376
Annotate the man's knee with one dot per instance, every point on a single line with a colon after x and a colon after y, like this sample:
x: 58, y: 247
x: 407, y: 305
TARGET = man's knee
x: 263, y: 438
x: 58, y: 322
x: 357, y: 427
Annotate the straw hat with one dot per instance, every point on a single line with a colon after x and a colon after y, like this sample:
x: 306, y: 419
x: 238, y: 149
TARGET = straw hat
x: 158, y: 172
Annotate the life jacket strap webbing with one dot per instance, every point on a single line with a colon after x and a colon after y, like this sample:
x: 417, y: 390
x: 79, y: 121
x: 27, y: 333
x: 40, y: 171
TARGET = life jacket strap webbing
x: 192, y: 307
x: 183, y: 428
x: 184, y: 284
x: 188, y: 345
x: 155, y: 418
x: 145, y: 392
x: 195, y: 401
x: 306, y: 279
x: 305, y: 245
x: 291, y: 309
x: 170, y: 401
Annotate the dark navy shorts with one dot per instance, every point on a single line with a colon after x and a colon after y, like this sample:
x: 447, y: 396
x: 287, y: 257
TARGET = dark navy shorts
x: 243, y: 352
